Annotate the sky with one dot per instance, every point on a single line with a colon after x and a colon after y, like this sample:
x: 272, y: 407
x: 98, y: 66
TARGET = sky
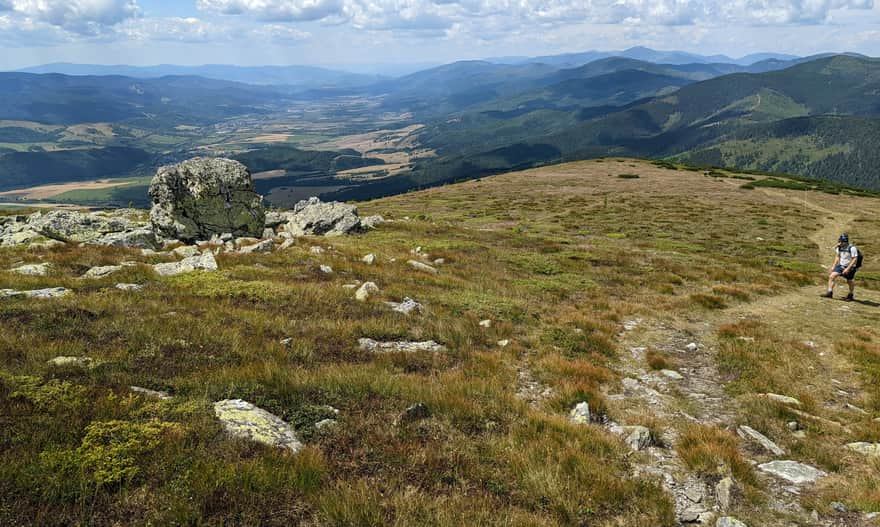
x: 358, y: 32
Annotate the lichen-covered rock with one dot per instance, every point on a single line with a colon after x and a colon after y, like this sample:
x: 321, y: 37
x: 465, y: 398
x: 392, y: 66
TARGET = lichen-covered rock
x: 580, y: 413
x: 365, y: 291
x: 32, y: 269
x: 243, y: 420
x: 102, y: 271
x: 51, y: 292
x: 401, y: 347
x: 792, y: 471
x: 200, y: 197
x: 70, y: 362
x: 314, y: 217
x: 729, y: 521
x: 868, y: 449
x: 204, y: 262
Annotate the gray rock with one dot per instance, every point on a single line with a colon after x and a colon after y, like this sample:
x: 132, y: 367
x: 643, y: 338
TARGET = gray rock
x: 41, y: 269
x: 200, y: 197
x: 371, y: 222
x: 729, y: 521
x: 274, y: 218
x: 129, y: 287
x: 313, y: 217
x: 243, y: 420
x: 637, y: 437
x: 366, y: 290
x: 268, y: 233
x: 725, y: 493
x: 691, y: 346
x: 259, y: 247
x: 326, y: 269
x: 485, y: 323
x: 102, y: 271
x: 369, y: 259
x: 421, y: 266
x: 287, y: 244
x: 503, y: 343
x: 70, y: 362
x: 205, y: 262
x: 784, y: 399
x: 143, y: 238
x: 749, y: 433
x: 407, y: 306
x: 185, y: 251
x: 317, y: 250
x: 792, y: 471
x: 150, y: 393
x: 672, y: 374
x: 46, y: 245
x: 868, y: 449
x: 80, y: 227
x: 325, y: 423
x: 580, y: 413
x: 52, y: 292
x: 401, y: 347
x: 839, y: 507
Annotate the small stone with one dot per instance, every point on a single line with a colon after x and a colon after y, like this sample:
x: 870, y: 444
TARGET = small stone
x: 287, y: 342
x: 32, y: 269
x: 70, y: 362
x: 226, y: 237
x: 690, y: 515
x: 485, y: 323
x: 150, y: 393
x: 580, y: 414
x: 326, y: 269
x: 638, y: 437
x: 268, y: 233
x: 421, y: 266
x: 503, y: 343
x: 439, y: 261
x: 672, y: 374
x: 724, y: 493
x: 792, y: 471
x: 369, y: 259
x: 729, y: 521
x: 839, y: 507
x: 129, y: 287
x: 371, y: 222
x: 794, y: 426
x: 186, y: 251
x: 784, y: 399
x: 868, y: 449
x: 415, y: 412
x: 317, y: 250
x: 366, y: 290
x: 101, y: 272
x: 747, y: 432
x: 407, y: 306
x: 243, y: 420
x: 403, y: 346
x: 286, y: 244
x: 691, y: 347
x: 259, y: 247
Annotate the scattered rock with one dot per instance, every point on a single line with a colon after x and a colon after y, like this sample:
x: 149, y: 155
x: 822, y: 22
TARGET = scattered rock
x: 243, y: 420
x: 691, y: 346
x: 365, y: 291
x: 70, y: 362
x: 325, y: 423
x: 637, y: 437
x: 150, y: 393
x: 421, y: 266
x: 326, y: 269
x: 259, y: 247
x: 371, y: 222
x: 724, y: 493
x: 485, y: 323
x: 580, y: 413
x: 204, y: 262
x: 729, y: 521
x: 369, y: 259
x: 200, y: 197
x: 868, y: 449
x: 415, y: 412
x: 784, y: 399
x: 792, y: 471
x: 185, y: 251
x: 102, y: 271
x: 52, y: 292
x: 749, y: 433
x: 41, y: 269
x: 403, y: 346
x: 317, y: 250
x: 129, y: 287
x: 407, y: 306
x: 839, y: 507
x: 503, y: 343
x: 286, y: 342
x: 672, y: 374
x: 313, y: 217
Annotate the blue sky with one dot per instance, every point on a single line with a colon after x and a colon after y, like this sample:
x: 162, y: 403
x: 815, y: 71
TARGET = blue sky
x: 343, y: 32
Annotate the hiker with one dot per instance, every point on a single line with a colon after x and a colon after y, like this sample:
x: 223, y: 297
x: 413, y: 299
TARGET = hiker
x: 845, y: 265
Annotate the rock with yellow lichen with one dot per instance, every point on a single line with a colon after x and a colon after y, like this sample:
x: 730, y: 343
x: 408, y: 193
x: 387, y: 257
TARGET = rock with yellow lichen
x: 243, y: 420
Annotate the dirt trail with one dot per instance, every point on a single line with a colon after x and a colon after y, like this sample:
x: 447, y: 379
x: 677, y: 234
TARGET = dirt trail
x: 698, y: 396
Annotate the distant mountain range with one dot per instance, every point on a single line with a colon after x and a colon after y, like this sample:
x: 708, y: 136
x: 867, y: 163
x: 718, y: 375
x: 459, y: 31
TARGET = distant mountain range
x: 571, y: 60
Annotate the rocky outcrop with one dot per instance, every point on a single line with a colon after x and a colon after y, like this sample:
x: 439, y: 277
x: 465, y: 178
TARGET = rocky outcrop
x: 243, y: 420
x: 120, y: 228
x: 204, y: 262
x: 313, y: 217
x: 52, y: 292
x: 401, y: 347
x: 868, y: 449
x: 200, y: 197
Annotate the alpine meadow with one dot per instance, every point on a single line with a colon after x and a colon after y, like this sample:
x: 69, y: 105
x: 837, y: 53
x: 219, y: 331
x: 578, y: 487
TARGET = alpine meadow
x: 428, y: 263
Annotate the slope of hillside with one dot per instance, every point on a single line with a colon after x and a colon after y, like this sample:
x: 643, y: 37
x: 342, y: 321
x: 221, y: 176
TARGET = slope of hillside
x: 664, y: 299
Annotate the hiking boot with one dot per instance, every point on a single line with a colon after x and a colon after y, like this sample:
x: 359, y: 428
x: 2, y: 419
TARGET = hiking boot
x: 849, y: 298
x: 829, y: 294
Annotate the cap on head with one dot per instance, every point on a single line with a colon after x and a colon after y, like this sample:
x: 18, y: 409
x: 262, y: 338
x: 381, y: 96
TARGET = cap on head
x: 843, y: 238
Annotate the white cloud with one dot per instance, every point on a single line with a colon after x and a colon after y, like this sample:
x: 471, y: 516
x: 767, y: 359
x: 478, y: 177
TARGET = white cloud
x: 86, y: 17
x: 279, y: 34
x: 276, y: 10
x: 173, y: 29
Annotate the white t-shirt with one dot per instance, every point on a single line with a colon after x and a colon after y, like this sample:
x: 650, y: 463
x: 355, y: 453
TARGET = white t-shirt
x: 847, y: 255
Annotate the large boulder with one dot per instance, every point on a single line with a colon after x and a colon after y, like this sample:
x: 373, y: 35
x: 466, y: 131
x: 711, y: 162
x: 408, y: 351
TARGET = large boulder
x: 313, y: 217
x: 201, y: 197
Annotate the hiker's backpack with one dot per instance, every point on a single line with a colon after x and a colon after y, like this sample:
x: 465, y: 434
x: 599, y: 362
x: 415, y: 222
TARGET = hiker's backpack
x: 859, y: 259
